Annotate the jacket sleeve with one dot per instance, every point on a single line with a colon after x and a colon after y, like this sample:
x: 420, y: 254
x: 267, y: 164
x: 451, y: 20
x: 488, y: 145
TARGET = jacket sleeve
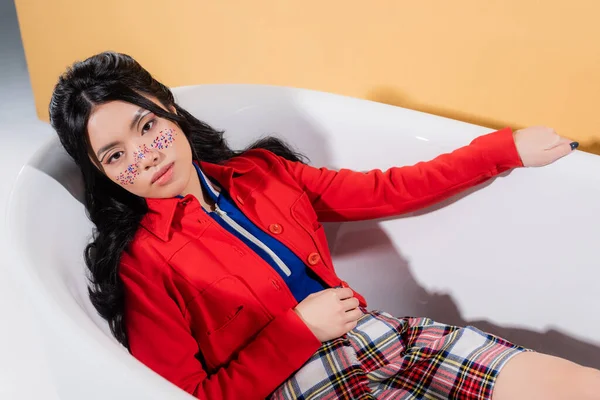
x: 160, y: 337
x: 348, y: 195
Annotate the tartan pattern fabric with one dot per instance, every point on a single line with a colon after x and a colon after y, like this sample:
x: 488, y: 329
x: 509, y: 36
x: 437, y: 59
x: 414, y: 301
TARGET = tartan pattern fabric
x: 401, y: 358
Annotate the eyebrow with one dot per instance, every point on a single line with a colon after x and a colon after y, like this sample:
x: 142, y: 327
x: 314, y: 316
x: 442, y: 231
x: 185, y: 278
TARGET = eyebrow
x: 105, y: 148
x: 137, y: 117
x: 139, y: 114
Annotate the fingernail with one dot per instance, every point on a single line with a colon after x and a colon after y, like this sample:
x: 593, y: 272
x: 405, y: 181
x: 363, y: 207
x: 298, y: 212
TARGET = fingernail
x: 574, y: 145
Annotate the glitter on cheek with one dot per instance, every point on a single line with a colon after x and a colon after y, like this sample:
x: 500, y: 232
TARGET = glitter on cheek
x: 164, y: 140
x: 128, y: 176
x: 161, y: 142
x: 140, y: 154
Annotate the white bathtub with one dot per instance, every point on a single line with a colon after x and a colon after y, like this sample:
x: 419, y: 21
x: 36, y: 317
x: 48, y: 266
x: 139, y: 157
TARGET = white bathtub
x: 518, y: 257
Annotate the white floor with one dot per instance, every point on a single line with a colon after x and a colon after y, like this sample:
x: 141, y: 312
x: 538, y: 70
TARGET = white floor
x: 23, y: 374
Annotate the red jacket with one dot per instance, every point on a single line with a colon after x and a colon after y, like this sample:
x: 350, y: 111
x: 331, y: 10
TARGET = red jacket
x: 211, y: 316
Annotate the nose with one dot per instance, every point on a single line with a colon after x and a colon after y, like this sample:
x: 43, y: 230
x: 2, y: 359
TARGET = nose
x: 146, y: 158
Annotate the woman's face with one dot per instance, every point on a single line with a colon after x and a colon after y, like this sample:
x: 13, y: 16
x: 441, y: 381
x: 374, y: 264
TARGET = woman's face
x: 147, y: 155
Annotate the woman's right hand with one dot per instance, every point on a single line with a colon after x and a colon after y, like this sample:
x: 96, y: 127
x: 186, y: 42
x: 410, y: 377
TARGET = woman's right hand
x: 329, y: 313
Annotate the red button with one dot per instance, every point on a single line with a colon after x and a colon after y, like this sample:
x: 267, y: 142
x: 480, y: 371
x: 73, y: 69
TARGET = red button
x: 275, y: 229
x: 314, y: 258
x: 239, y: 199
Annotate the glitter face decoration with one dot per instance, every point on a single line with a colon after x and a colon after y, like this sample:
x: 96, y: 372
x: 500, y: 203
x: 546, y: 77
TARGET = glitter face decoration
x: 128, y: 176
x: 163, y: 141
x: 140, y: 154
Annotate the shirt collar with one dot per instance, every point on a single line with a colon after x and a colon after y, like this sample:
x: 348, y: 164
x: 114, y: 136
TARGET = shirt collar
x: 207, y: 184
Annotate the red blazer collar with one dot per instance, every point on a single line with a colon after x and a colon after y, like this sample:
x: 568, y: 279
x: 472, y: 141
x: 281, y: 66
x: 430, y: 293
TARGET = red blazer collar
x: 160, y: 213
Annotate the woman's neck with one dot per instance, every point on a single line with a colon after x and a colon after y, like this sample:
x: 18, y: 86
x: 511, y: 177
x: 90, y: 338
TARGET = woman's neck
x: 194, y: 187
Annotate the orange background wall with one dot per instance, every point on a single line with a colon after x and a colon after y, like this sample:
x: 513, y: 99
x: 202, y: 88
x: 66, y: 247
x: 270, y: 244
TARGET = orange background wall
x: 494, y: 62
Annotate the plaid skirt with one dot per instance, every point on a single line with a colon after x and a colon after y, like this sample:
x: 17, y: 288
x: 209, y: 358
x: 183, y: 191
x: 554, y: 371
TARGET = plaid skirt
x: 401, y: 358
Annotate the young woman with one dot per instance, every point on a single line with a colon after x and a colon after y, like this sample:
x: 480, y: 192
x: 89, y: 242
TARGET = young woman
x: 211, y: 265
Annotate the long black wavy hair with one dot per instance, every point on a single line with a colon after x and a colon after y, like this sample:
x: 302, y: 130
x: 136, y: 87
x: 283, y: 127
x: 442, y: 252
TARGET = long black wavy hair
x: 115, y: 212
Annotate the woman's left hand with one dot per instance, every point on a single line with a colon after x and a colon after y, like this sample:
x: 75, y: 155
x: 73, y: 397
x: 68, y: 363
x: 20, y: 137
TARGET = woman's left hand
x: 539, y: 146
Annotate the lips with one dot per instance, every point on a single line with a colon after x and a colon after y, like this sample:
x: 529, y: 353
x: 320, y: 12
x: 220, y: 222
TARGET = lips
x: 161, y: 172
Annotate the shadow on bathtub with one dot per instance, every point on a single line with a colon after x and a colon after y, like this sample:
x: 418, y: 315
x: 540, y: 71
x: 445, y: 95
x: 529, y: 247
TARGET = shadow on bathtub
x: 390, y: 273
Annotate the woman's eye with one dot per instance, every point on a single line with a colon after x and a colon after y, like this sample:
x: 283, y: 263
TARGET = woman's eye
x: 115, y: 157
x: 147, y: 126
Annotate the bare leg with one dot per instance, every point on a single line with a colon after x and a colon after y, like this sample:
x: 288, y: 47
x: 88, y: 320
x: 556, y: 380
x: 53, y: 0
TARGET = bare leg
x: 533, y: 376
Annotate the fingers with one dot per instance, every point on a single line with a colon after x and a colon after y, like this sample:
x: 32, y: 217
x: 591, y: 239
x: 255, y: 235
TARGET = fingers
x: 350, y: 303
x: 556, y: 141
x: 354, y: 314
x: 351, y: 325
x: 343, y: 293
x: 562, y: 149
x: 539, y: 146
